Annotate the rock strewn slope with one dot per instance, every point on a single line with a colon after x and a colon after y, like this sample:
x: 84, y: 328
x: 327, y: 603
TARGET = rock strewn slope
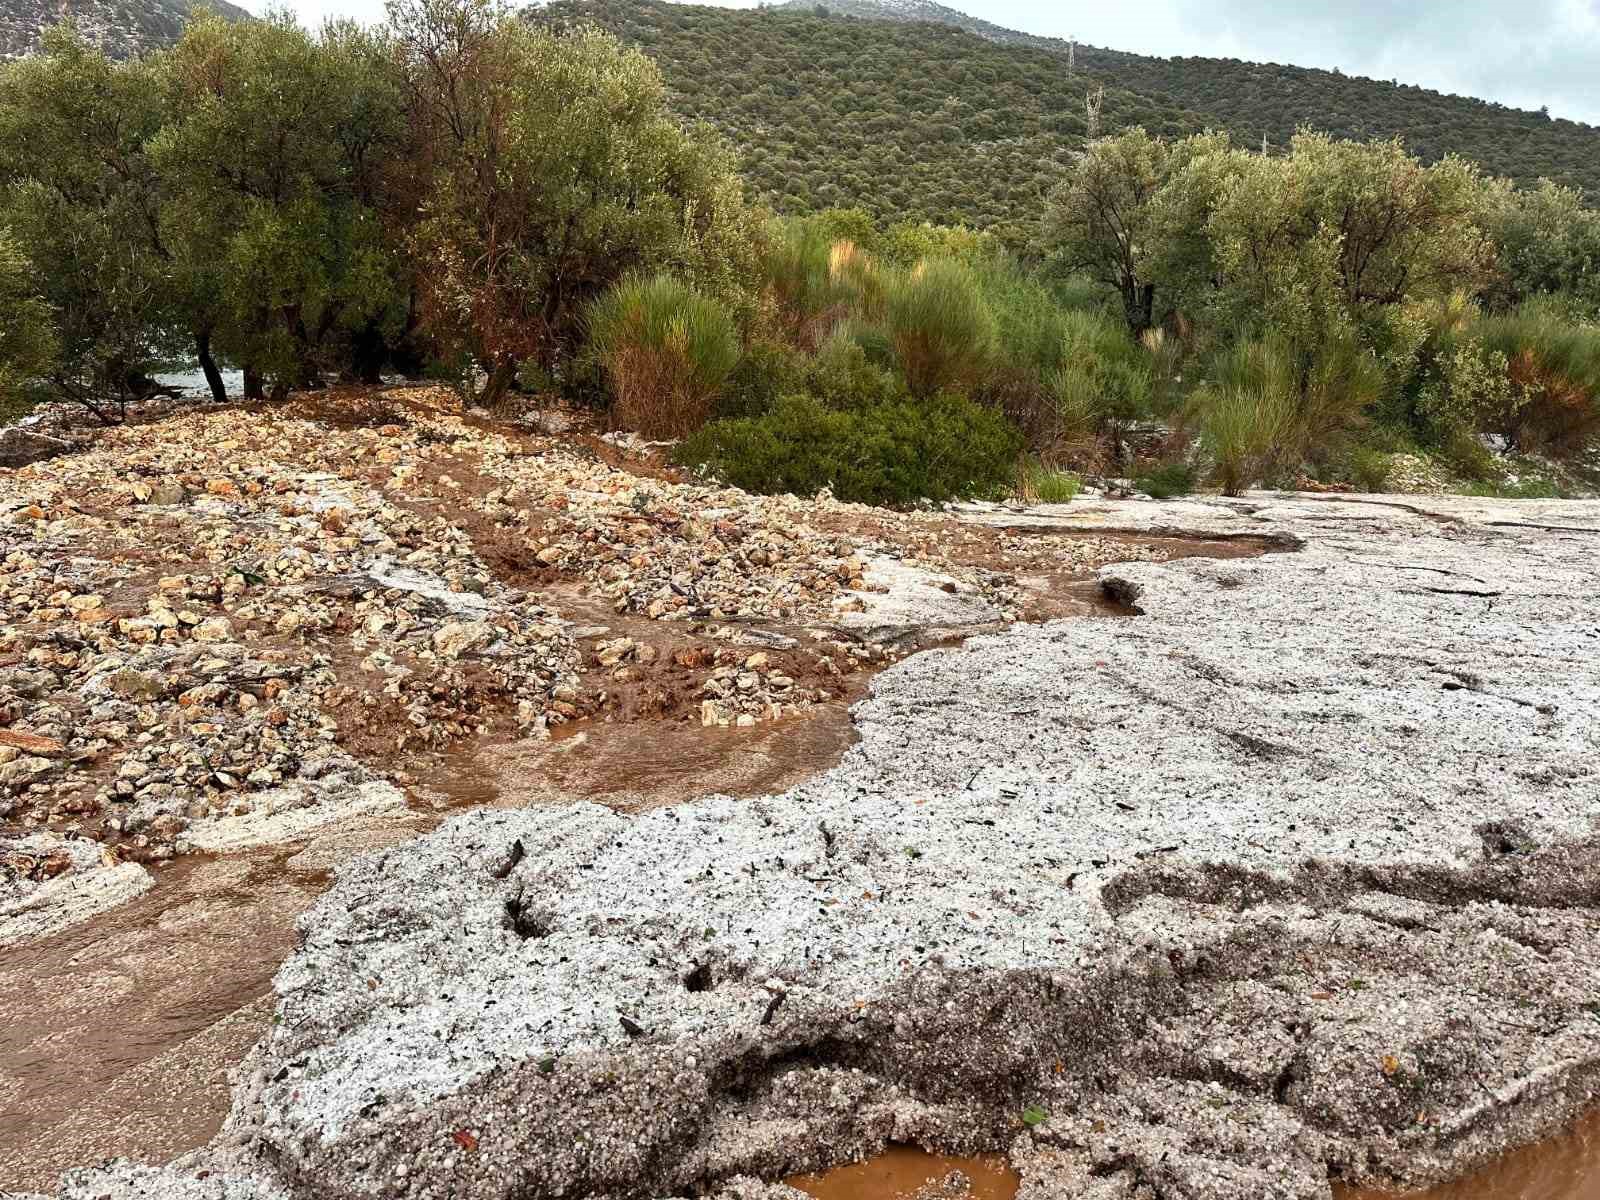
x: 120, y: 29
x: 1297, y: 874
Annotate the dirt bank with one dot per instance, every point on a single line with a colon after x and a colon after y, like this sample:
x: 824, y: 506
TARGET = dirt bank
x: 1293, y: 877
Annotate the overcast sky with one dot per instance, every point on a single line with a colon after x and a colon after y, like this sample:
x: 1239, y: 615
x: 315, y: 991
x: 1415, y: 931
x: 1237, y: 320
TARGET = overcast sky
x: 1525, y: 53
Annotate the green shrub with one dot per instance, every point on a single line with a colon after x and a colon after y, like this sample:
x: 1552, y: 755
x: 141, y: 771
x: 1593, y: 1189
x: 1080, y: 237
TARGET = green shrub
x: 1047, y: 485
x: 1105, y: 382
x: 889, y: 454
x: 1552, y: 402
x: 667, y: 351
x: 1166, y: 481
x: 766, y: 371
x: 843, y: 376
x: 1247, y: 414
x: 817, y: 278
x: 941, y: 328
x: 1370, y: 469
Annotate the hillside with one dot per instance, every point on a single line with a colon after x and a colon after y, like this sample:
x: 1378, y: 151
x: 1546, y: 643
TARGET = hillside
x: 120, y: 27
x: 929, y: 113
x: 914, y: 120
x: 1274, y: 99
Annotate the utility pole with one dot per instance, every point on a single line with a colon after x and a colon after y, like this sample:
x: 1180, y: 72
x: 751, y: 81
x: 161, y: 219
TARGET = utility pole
x: 1091, y: 109
x: 1072, y: 55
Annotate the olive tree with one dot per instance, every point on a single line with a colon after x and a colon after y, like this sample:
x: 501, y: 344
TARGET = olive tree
x: 278, y: 160
x: 550, y: 167
x: 81, y: 198
x: 27, y: 337
x: 1099, y: 220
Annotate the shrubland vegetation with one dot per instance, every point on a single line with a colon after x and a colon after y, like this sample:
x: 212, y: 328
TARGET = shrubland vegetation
x: 516, y: 207
x: 934, y: 123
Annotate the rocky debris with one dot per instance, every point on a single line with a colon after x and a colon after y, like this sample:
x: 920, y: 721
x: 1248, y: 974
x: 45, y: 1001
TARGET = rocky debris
x: 48, y: 883
x: 210, y: 605
x: 1295, y: 874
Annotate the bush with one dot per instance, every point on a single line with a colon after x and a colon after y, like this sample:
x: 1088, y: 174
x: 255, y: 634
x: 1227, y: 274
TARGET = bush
x: 889, y: 454
x: 814, y: 279
x: 1166, y: 481
x: 1047, y: 485
x: 843, y: 376
x: 1370, y: 469
x: 667, y: 351
x: 766, y: 371
x: 940, y: 326
x: 1106, y: 381
x: 1247, y: 416
x: 1552, y: 402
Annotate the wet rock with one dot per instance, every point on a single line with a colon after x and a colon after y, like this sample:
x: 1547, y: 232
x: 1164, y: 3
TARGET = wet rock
x: 22, y: 447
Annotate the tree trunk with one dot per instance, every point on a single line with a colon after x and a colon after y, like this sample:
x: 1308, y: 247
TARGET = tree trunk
x: 500, y: 380
x: 1138, y: 304
x: 252, y: 384
x: 219, y: 391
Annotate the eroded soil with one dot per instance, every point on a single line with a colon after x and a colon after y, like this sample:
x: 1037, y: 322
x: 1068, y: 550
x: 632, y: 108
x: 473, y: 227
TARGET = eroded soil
x: 204, y: 610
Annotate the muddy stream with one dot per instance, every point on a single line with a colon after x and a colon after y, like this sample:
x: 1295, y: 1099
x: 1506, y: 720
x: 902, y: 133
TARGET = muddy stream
x: 117, y: 1037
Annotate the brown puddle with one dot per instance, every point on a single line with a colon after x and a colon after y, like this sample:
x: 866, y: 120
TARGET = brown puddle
x: 1564, y: 1168
x: 905, y: 1172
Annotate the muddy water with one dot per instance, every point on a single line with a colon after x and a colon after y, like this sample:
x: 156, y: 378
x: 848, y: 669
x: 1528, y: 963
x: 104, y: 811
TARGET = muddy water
x: 116, y: 1036
x: 1564, y: 1168
x: 904, y: 1172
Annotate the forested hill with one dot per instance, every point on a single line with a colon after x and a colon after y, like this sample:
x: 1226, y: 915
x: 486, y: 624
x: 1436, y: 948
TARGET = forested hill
x: 930, y: 120
x: 119, y: 27
x: 1271, y: 99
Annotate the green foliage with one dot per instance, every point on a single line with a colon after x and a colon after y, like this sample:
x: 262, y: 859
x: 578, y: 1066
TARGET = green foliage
x: 1166, y: 481
x: 1247, y: 413
x: 667, y: 351
x: 1105, y: 382
x: 1100, y: 220
x: 27, y: 341
x: 1271, y: 404
x: 1370, y: 469
x: 80, y: 198
x: 553, y: 168
x: 1551, y: 404
x: 940, y: 326
x: 1040, y: 484
x: 813, y: 277
x: 892, y: 454
x: 766, y: 371
x: 1548, y: 242
x: 276, y: 161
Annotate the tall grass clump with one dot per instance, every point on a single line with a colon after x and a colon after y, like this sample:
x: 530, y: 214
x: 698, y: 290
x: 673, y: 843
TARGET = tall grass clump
x: 1104, y: 384
x: 815, y: 280
x: 941, y: 328
x: 1247, y: 412
x: 666, y: 350
x: 1042, y: 484
x: 1552, y: 404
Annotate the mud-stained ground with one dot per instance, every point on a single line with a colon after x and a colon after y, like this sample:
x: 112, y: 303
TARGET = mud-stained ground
x: 235, y: 628
x: 1173, y: 867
